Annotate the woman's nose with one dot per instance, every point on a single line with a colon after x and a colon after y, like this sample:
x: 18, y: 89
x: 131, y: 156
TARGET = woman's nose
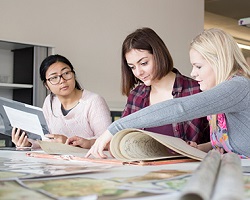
x: 139, y: 71
x: 62, y: 80
x: 193, y: 74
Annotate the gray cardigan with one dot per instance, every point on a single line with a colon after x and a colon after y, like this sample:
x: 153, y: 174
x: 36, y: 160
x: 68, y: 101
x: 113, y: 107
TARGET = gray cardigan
x: 231, y: 97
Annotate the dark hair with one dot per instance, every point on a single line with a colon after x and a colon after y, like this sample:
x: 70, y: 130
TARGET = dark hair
x: 47, y: 62
x: 145, y: 39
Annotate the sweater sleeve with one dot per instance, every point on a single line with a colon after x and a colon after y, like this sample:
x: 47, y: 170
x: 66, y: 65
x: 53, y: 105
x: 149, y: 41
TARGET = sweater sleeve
x: 99, y: 115
x: 229, y: 96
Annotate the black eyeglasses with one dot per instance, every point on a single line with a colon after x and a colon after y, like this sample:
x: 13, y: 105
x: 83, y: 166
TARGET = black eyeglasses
x: 54, y: 80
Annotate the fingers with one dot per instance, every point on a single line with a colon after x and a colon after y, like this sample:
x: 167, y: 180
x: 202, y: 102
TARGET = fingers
x: 72, y: 140
x: 69, y: 141
x: 63, y: 139
x: 101, y: 154
x: 97, y: 153
x: 16, y: 132
x: 97, y: 149
x: 19, y: 139
x: 88, y: 154
x: 221, y: 150
x: 24, y: 140
x: 57, y: 138
x: 50, y: 136
x: 192, y: 144
x: 16, y: 135
x: 78, y: 143
x: 13, y: 133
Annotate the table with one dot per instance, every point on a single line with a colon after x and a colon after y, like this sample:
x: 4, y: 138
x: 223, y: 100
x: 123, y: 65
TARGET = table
x: 104, y: 174
x: 18, y: 159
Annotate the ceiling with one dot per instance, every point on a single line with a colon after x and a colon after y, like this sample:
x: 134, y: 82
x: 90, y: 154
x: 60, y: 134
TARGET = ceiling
x: 235, y: 9
x: 225, y: 14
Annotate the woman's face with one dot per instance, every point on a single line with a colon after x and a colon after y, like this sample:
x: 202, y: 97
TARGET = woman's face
x: 202, y: 71
x: 142, y: 64
x: 63, y: 87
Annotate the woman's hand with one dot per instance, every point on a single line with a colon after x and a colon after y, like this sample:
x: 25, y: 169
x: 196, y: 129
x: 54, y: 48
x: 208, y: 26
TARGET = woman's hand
x: 206, y: 147
x: 80, y: 142
x: 221, y: 150
x: 193, y: 144
x: 100, y: 144
x: 56, y: 138
x: 20, y: 139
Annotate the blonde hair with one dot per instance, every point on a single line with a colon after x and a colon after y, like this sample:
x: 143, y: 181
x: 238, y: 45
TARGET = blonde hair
x: 222, y: 52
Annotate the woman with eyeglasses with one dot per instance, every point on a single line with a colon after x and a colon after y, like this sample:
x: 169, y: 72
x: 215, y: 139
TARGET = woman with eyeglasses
x: 69, y: 110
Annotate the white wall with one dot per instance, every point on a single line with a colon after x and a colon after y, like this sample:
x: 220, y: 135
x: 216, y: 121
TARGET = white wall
x: 90, y: 33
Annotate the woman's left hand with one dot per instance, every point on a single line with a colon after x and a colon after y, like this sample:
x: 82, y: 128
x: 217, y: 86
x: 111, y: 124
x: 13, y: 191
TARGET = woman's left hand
x: 56, y: 138
x: 80, y: 142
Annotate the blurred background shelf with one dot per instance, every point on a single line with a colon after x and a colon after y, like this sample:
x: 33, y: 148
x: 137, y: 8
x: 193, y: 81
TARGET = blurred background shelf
x: 19, y: 77
x: 14, y: 86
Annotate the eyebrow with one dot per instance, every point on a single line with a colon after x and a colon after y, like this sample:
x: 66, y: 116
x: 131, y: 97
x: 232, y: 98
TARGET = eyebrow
x: 61, y: 71
x: 196, y: 63
x: 138, y: 60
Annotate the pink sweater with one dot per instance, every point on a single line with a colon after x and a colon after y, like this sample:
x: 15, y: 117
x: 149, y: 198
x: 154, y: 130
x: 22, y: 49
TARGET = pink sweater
x: 88, y: 119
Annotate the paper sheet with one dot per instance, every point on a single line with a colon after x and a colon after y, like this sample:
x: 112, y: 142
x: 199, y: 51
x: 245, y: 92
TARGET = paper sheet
x: 59, y: 148
x: 24, y: 120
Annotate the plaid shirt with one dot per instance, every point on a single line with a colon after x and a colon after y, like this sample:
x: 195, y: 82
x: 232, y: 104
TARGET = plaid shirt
x: 196, y: 130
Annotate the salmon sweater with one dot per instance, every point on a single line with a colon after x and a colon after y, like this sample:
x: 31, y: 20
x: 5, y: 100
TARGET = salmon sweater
x: 88, y: 119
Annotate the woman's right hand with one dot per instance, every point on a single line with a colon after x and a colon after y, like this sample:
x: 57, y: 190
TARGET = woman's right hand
x: 100, y: 144
x: 206, y: 147
x: 193, y: 144
x: 20, y: 140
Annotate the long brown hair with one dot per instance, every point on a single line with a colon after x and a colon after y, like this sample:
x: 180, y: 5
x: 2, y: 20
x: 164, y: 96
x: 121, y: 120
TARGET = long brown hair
x: 144, y: 39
